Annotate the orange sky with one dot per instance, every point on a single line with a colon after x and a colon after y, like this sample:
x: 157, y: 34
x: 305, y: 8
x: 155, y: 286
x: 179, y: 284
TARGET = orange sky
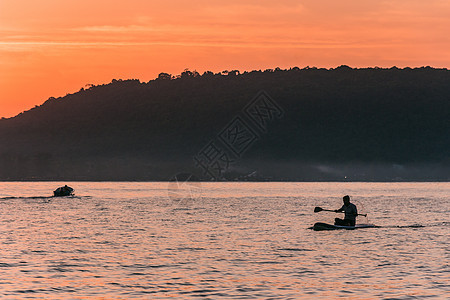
x: 53, y: 47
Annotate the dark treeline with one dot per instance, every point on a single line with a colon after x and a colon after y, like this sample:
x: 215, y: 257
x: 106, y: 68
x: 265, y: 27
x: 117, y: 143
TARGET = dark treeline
x: 338, y: 124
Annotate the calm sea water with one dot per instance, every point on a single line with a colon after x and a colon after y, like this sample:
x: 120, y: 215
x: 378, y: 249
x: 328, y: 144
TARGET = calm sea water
x: 229, y: 240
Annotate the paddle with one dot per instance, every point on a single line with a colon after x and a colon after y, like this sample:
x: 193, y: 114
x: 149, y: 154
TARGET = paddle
x: 319, y: 209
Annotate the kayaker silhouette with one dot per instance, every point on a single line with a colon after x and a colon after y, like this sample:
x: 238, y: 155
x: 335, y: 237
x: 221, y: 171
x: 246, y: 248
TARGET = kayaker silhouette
x: 350, y: 211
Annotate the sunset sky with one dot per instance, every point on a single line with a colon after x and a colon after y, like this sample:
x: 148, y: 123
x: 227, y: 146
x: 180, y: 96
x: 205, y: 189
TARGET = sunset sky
x: 53, y: 47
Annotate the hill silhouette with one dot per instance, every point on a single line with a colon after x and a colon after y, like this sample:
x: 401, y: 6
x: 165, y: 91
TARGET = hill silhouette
x: 338, y: 124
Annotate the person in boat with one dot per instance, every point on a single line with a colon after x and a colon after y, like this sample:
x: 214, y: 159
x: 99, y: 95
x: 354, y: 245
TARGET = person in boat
x: 67, y: 189
x: 350, y: 211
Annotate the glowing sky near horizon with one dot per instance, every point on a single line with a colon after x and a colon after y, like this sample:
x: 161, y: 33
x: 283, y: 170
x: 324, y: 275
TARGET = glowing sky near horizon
x: 53, y: 47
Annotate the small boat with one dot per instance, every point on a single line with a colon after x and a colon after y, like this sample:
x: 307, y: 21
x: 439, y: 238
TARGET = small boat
x: 63, y: 191
x: 324, y: 226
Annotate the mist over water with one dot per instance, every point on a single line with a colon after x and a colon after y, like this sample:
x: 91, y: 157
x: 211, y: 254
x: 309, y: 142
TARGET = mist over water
x: 232, y: 240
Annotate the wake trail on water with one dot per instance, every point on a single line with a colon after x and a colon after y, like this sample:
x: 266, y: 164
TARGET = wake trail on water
x: 403, y: 226
x: 38, y: 197
x: 439, y: 224
x: 33, y: 197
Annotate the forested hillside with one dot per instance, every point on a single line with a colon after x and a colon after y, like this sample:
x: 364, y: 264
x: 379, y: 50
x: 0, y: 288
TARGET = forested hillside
x: 333, y: 124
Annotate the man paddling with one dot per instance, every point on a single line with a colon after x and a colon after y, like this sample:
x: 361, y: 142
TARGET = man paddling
x: 350, y: 213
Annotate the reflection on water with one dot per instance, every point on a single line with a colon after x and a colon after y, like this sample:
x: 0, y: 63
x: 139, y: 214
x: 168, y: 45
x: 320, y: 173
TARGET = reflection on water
x: 239, y: 240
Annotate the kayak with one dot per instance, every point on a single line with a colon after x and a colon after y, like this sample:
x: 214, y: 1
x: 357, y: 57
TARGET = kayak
x: 325, y: 226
